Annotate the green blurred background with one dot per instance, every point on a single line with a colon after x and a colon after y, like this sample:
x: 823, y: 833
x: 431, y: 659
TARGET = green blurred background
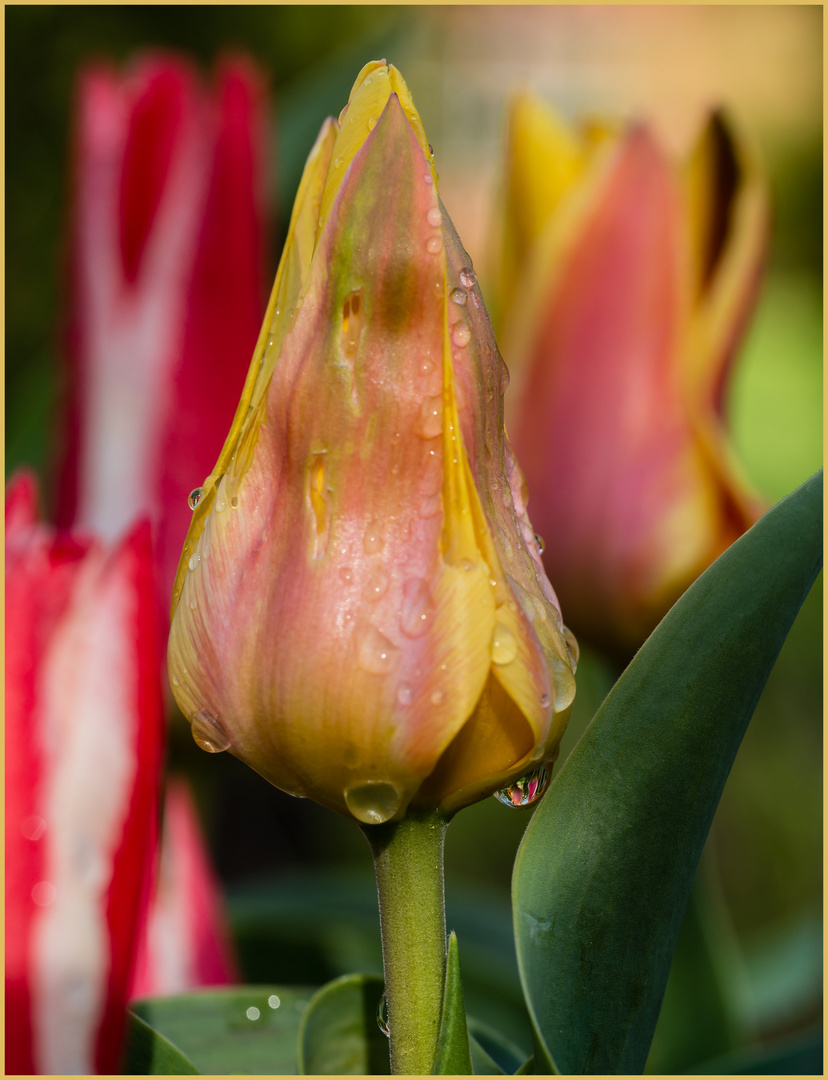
x: 749, y: 966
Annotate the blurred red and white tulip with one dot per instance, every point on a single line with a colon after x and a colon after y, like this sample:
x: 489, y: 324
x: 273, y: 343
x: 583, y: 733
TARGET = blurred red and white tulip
x: 166, y: 289
x: 185, y: 943
x: 84, y: 740
x: 625, y: 283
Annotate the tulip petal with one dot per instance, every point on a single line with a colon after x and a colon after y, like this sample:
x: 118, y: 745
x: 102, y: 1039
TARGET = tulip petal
x: 526, y: 605
x: 290, y: 279
x: 348, y: 464
x: 165, y: 290
x: 185, y: 944
x: 728, y: 208
x: 83, y: 753
x: 607, y: 353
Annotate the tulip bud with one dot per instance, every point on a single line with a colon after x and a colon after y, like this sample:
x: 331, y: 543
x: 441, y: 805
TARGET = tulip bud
x: 360, y: 611
x: 624, y: 285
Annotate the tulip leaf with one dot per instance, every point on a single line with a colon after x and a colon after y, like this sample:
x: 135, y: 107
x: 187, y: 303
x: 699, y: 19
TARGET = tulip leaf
x: 339, y: 1034
x: 453, y: 1057
x: 249, y: 1029
x: 482, y: 1063
x: 311, y: 926
x: 801, y: 1055
x: 605, y: 867
x: 492, y: 1049
x: 148, y: 1053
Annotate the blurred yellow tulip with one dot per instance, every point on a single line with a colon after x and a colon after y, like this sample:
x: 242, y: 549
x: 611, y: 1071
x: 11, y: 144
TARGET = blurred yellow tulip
x: 624, y: 283
x: 361, y: 613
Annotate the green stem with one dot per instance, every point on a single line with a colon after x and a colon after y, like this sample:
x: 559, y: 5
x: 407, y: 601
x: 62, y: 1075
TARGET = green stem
x: 408, y: 860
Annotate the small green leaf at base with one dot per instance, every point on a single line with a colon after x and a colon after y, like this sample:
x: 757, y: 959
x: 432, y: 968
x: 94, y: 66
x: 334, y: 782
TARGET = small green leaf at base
x: 148, y: 1053
x: 604, y: 869
x: 453, y: 1057
x: 339, y: 1034
x: 233, y: 1029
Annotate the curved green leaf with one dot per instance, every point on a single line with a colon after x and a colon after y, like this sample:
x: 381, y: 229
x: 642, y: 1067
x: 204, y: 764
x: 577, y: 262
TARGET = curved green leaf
x: 801, y: 1055
x: 245, y: 1029
x: 492, y: 1052
x: 603, y: 873
x: 453, y: 1057
x: 148, y: 1053
x: 339, y: 1035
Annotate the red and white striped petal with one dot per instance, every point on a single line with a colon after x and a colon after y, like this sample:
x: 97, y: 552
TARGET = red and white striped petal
x: 83, y: 756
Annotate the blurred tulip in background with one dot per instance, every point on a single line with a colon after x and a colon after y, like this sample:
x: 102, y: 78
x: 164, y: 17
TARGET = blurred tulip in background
x: 84, y: 742
x: 625, y: 282
x: 165, y: 288
x: 185, y: 942
x: 360, y: 612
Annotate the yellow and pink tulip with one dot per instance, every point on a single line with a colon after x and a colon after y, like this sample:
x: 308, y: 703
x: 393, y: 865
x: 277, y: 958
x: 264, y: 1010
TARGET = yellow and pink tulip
x: 623, y: 284
x: 360, y: 612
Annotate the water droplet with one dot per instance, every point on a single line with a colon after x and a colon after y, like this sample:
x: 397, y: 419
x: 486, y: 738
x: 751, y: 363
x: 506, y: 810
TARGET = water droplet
x: 405, y: 695
x: 504, y: 645
x: 417, y: 607
x: 274, y: 1001
x: 342, y: 113
x: 367, y: 81
x: 44, y: 893
x: 434, y: 245
x: 193, y: 604
x: 545, y: 700
x: 468, y: 565
x: 468, y: 277
x: 430, y: 421
x: 540, y: 542
x: 338, y: 163
x: 253, y: 1013
x: 438, y: 697
x: 375, y: 653
x: 373, y: 801
x: 33, y: 827
x: 429, y: 179
x: 195, y: 559
x: 527, y: 790
x: 208, y: 732
x: 434, y: 217
x: 194, y: 498
x: 221, y: 504
x: 373, y: 541
x: 461, y: 335
x: 377, y: 584
x: 458, y: 296
x: 572, y: 647
x: 382, y: 1016
x: 372, y: 122
x: 345, y: 574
